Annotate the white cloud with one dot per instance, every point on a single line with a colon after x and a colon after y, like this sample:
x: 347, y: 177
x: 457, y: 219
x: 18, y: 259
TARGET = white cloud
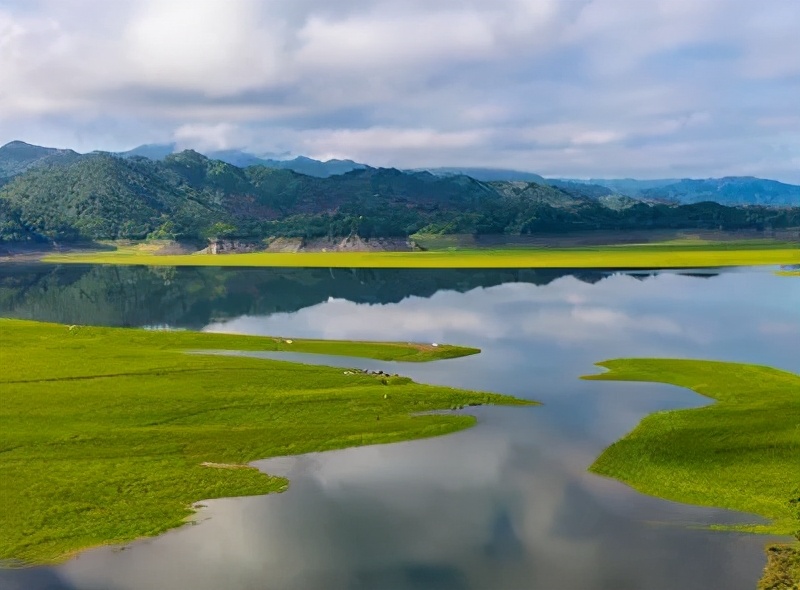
x: 366, y: 42
x: 218, y: 47
x: 200, y: 136
x: 564, y: 134
x: 585, y: 88
x: 386, y: 144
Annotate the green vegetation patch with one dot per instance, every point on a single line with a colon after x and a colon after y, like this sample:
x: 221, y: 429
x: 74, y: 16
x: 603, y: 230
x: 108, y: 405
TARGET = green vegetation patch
x: 642, y: 256
x: 110, y: 434
x: 741, y: 453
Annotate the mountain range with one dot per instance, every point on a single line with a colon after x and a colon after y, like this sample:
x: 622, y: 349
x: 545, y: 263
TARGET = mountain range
x: 730, y: 190
x: 17, y: 157
x: 59, y: 195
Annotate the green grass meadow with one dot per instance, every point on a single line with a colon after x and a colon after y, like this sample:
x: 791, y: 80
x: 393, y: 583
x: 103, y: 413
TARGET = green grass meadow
x: 109, y: 434
x: 675, y: 254
x: 741, y: 453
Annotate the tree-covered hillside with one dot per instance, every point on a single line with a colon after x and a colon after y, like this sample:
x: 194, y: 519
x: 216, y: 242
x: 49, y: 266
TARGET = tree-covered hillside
x: 189, y: 196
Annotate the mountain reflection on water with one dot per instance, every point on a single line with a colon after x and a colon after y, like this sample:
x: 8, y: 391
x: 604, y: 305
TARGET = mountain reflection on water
x: 508, y: 504
x: 189, y: 297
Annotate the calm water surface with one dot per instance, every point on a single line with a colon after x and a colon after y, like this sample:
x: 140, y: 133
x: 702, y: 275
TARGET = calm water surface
x: 505, y: 505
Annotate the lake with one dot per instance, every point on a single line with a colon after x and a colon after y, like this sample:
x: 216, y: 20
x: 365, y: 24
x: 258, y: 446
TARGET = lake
x: 508, y: 504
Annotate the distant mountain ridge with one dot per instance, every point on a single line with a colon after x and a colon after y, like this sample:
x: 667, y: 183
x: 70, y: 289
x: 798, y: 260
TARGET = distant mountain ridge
x: 18, y: 157
x: 242, y: 159
x: 488, y: 174
x: 734, y: 190
x: 627, y: 186
x: 730, y: 190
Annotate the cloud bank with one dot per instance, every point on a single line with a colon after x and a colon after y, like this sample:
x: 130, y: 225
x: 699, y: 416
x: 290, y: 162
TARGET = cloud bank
x: 656, y: 88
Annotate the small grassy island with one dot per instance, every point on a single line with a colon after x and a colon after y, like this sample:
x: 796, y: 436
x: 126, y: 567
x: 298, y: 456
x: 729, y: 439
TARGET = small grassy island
x: 111, y: 434
x: 741, y: 453
x: 670, y: 254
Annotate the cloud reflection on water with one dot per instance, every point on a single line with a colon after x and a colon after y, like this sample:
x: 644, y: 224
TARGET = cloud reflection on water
x: 708, y: 317
x: 481, y: 508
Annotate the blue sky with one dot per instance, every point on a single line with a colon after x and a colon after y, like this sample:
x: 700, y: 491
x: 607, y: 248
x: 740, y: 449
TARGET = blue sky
x: 584, y: 88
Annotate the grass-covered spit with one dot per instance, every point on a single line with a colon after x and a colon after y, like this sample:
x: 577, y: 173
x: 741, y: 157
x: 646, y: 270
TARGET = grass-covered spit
x: 742, y: 452
x: 110, y: 434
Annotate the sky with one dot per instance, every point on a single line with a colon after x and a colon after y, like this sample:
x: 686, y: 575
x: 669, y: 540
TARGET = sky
x: 574, y: 88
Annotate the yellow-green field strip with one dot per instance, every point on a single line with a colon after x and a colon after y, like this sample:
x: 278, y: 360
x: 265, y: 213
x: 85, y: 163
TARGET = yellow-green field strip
x: 631, y: 257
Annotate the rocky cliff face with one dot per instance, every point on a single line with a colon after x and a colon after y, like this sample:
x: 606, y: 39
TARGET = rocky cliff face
x: 358, y: 244
x: 232, y: 247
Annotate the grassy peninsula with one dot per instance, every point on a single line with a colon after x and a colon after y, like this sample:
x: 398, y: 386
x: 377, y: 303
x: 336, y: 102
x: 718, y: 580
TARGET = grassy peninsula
x: 741, y: 453
x: 659, y: 255
x: 110, y: 434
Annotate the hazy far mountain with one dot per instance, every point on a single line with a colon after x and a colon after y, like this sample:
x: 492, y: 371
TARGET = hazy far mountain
x: 732, y: 190
x: 242, y: 159
x: 17, y: 157
x: 153, y: 151
x: 586, y: 189
x: 311, y: 167
x: 623, y: 186
x: 488, y: 174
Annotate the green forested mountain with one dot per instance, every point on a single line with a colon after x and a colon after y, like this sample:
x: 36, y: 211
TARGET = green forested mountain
x: 102, y: 196
x: 187, y: 195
